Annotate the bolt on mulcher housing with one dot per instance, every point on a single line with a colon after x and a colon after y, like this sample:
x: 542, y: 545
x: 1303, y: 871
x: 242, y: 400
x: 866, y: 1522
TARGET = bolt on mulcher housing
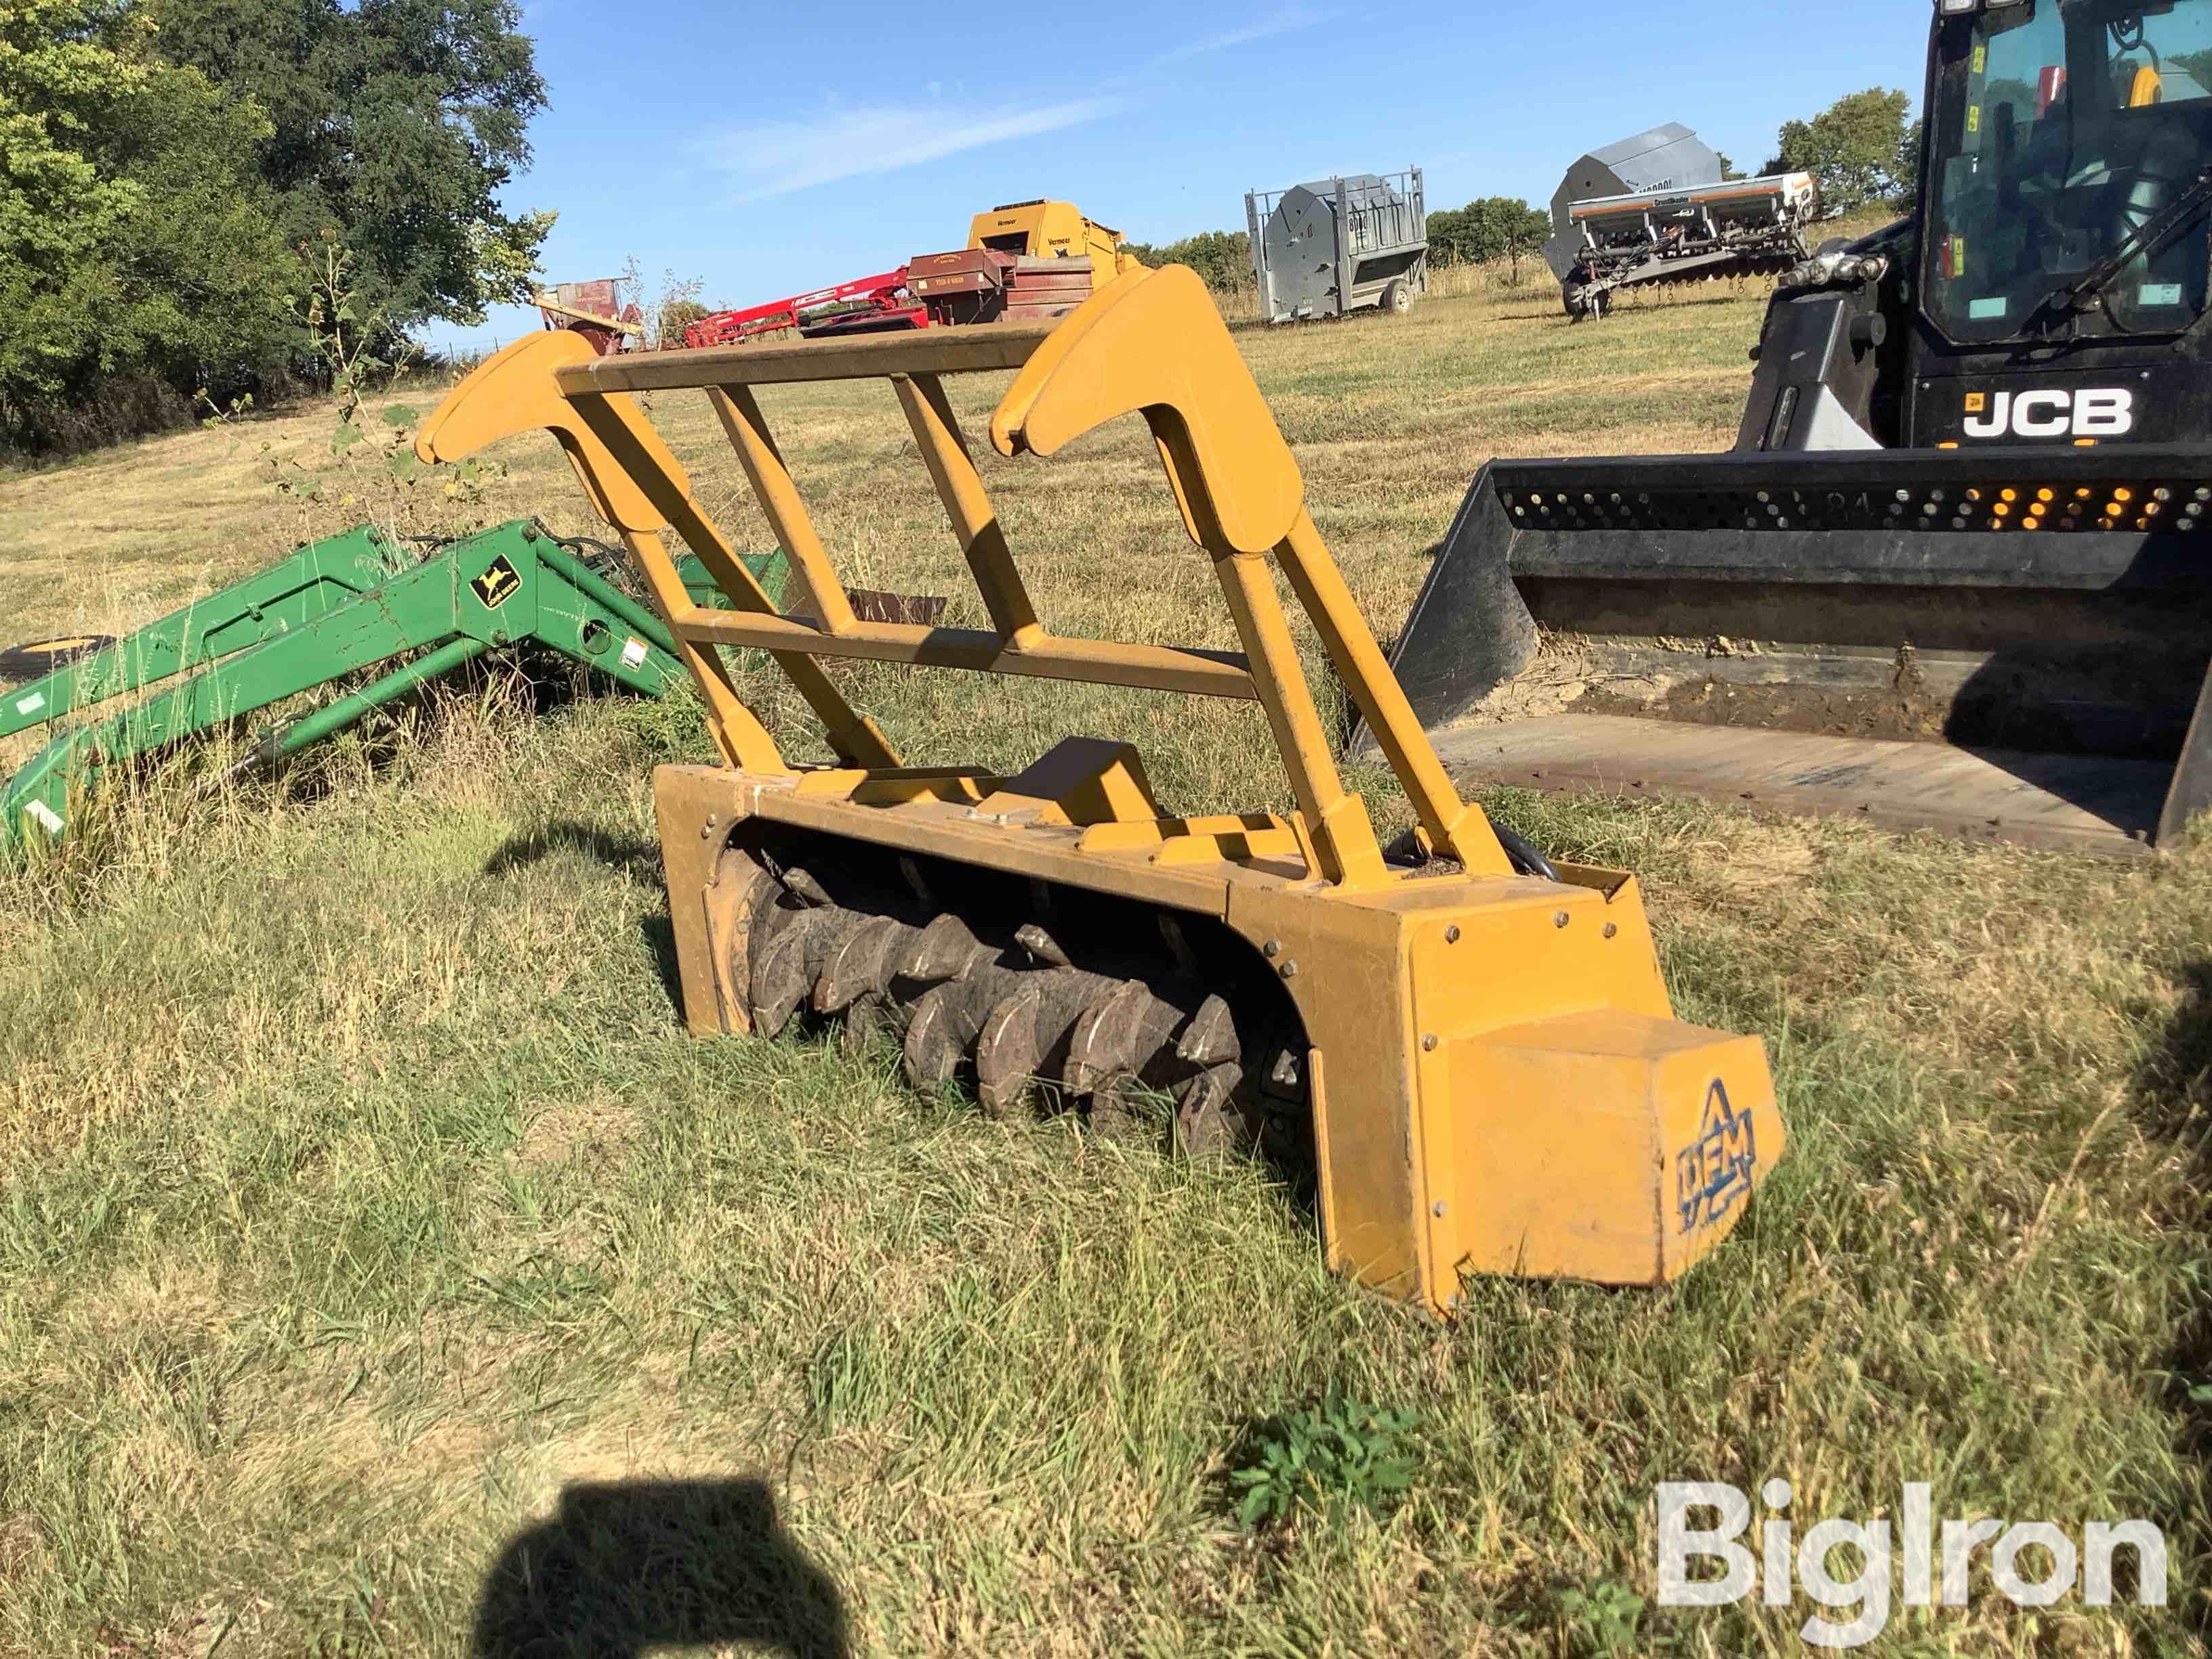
x: 1485, y: 1064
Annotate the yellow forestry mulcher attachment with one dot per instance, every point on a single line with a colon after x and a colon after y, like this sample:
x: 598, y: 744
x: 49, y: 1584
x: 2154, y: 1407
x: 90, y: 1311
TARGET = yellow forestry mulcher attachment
x: 1480, y: 1064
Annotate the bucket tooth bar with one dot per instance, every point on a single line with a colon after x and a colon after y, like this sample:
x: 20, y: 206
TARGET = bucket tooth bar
x: 1417, y: 1024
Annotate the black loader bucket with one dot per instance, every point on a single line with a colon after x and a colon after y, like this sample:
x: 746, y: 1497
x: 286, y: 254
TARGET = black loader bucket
x: 2009, y: 643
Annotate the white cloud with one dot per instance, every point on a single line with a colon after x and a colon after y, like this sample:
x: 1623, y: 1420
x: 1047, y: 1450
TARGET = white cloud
x: 1281, y: 21
x: 771, y: 157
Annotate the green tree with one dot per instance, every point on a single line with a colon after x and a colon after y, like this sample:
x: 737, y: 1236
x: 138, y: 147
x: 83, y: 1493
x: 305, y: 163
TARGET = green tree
x: 61, y: 78
x: 136, y: 243
x: 1856, y: 149
x: 1907, y: 170
x: 396, y: 123
x: 200, y: 262
x: 1222, y: 258
x: 1492, y: 227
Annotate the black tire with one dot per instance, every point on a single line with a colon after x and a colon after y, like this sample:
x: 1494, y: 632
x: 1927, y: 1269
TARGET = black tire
x: 1398, y: 297
x: 33, y: 658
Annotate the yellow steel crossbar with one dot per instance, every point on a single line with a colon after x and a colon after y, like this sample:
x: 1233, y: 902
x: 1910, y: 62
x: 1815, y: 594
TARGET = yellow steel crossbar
x: 1147, y: 341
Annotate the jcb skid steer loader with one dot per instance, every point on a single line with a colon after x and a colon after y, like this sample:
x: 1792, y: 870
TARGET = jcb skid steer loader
x: 1481, y: 1064
x: 1956, y: 571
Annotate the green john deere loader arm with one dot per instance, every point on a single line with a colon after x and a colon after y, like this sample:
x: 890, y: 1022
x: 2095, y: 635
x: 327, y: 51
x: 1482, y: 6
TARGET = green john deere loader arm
x: 285, y: 596
x: 502, y: 587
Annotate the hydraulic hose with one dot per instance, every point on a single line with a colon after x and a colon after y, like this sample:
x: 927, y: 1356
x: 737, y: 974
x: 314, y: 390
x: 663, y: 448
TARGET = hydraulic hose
x: 1521, y: 853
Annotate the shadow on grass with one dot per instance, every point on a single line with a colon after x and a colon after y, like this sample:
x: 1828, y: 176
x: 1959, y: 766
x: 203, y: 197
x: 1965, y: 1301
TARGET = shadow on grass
x: 625, y: 854
x: 2172, y: 1091
x: 627, y: 1567
x: 659, y: 935
x: 1641, y: 308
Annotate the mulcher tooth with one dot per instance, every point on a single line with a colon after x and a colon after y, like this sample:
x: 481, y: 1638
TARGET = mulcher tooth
x: 1171, y: 935
x: 1210, y: 1036
x: 1285, y: 1077
x: 950, y: 1020
x: 857, y: 978
x: 804, y: 930
x: 1042, y: 945
x: 1112, y: 1117
x: 1028, y: 1036
x: 1007, y: 1054
x: 864, y: 1016
x: 1206, y: 1119
x: 863, y: 963
x: 1126, y: 1034
x: 932, y: 1048
x: 776, y: 955
x: 1133, y: 1039
x: 946, y: 949
x: 801, y: 884
x: 1103, y: 1041
x: 917, y: 884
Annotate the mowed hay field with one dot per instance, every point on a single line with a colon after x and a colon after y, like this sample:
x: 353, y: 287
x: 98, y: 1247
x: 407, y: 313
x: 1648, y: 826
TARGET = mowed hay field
x: 382, y: 1270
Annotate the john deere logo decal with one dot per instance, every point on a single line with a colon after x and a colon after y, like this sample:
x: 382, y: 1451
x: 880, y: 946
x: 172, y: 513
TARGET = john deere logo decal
x: 497, y: 584
x: 1713, y: 1172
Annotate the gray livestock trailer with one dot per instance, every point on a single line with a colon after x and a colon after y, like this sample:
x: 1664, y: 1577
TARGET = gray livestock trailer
x: 1334, y: 245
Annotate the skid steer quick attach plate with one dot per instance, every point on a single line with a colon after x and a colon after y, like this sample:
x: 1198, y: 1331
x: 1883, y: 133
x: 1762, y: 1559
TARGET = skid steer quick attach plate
x: 1480, y: 1063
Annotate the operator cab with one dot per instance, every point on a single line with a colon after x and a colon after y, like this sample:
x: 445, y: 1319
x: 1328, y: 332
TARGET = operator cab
x: 2050, y: 286
x: 2058, y: 131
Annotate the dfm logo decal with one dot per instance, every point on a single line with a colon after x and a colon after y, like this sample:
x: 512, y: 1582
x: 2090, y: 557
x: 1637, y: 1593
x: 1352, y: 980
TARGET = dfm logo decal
x: 2106, y: 413
x: 1713, y: 1173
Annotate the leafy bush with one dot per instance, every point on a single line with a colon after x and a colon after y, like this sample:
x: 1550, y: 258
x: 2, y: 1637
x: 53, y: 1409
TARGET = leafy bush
x: 673, y: 318
x: 1338, y: 1455
x: 1860, y: 150
x: 1222, y: 258
x: 1493, y: 228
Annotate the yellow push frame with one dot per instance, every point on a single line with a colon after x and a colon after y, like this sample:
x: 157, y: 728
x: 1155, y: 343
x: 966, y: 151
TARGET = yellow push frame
x: 1495, y: 1079
x: 1234, y: 479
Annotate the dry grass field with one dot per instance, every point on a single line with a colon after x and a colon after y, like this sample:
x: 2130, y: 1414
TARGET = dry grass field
x: 381, y: 1270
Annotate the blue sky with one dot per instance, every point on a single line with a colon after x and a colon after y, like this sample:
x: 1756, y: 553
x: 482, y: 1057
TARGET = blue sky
x: 769, y: 149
